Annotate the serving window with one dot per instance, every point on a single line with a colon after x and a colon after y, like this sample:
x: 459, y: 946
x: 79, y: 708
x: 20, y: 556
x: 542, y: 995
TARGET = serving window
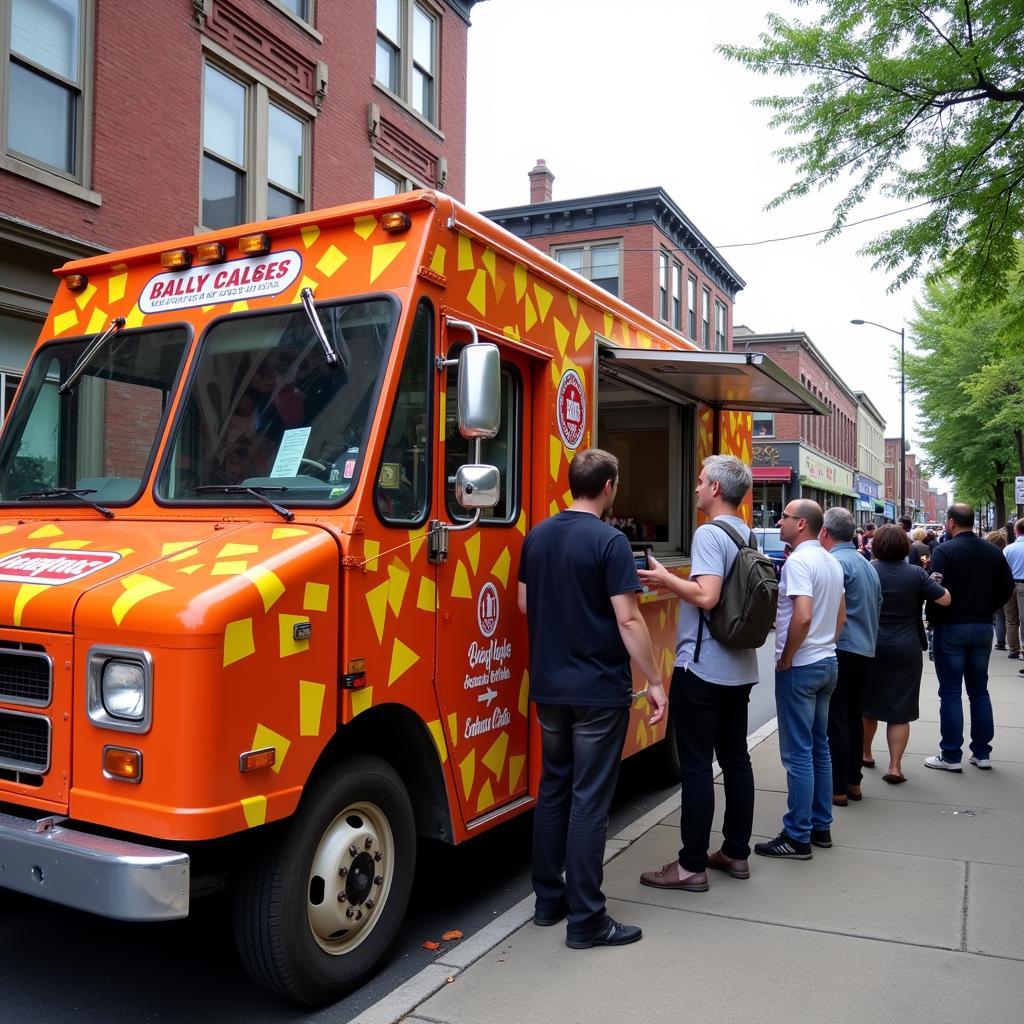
x: 651, y: 435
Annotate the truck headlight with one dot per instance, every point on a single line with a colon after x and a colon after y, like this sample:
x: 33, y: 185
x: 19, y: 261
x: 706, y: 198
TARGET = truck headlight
x: 119, y: 690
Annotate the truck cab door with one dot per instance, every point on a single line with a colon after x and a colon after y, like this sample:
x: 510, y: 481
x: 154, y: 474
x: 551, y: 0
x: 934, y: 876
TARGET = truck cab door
x: 482, y: 656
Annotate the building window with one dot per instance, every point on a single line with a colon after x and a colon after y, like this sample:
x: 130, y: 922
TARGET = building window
x: 45, y: 117
x: 764, y: 424
x: 691, y: 307
x: 390, y: 182
x: 663, y: 285
x: 705, y: 324
x: 255, y: 153
x: 677, y: 296
x: 719, y: 326
x: 600, y: 262
x: 300, y: 8
x: 407, y: 53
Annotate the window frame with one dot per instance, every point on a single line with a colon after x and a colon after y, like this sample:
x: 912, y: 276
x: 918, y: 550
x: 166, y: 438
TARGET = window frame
x: 676, y: 295
x: 76, y: 183
x: 403, y: 48
x: 691, y: 306
x: 260, y: 94
x: 705, y: 318
x: 586, y: 265
x: 721, y: 320
x: 663, y: 285
x: 753, y: 425
x: 389, y: 169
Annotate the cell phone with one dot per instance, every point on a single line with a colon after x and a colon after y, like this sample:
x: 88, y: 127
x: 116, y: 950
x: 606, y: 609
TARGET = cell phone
x: 640, y: 558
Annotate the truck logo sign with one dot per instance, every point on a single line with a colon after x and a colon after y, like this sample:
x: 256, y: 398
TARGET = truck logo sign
x: 572, y: 409
x: 208, y: 285
x: 487, y: 609
x: 53, y: 567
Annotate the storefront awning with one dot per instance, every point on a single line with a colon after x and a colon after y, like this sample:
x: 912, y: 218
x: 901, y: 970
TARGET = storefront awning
x: 743, y: 381
x: 771, y: 474
x: 879, y: 505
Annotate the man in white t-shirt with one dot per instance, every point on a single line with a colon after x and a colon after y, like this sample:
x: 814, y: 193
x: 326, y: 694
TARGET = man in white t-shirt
x: 812, y: 611
x: 710, y: 690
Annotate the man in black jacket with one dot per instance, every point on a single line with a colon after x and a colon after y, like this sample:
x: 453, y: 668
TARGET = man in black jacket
x: 979, y: 581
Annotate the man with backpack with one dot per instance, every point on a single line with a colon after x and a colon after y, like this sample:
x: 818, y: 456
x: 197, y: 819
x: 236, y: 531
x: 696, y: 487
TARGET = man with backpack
x: 812, y: 612
x: 726, y: 610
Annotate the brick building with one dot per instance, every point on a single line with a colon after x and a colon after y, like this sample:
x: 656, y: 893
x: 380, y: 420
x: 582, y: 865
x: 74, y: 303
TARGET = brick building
x: 802, y: 456
x: 638, y: 245
x: 868, y: 481
x: 241, y: 109
x: 915, y: 502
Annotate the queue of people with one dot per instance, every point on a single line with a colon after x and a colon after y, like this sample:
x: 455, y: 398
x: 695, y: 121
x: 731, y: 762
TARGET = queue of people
x: 849, y: 640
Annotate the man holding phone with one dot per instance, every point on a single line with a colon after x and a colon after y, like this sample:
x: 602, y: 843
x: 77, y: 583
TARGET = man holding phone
x: 710, y: 691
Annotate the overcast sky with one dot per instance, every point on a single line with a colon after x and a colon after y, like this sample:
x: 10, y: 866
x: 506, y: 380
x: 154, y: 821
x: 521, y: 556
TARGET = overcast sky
x: 620, y: 96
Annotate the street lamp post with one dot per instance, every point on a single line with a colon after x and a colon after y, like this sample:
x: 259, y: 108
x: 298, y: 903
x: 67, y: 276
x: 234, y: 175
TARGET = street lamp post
x: 903, y: 409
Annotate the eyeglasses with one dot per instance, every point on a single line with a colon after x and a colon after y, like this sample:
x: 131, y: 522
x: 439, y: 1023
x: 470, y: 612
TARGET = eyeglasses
x: 786, y: 515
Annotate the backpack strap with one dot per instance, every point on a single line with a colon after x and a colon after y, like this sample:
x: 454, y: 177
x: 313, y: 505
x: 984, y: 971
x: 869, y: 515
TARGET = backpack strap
x: 738, y: 541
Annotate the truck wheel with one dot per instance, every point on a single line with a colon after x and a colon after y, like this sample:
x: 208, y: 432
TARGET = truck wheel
x: 316, y: 912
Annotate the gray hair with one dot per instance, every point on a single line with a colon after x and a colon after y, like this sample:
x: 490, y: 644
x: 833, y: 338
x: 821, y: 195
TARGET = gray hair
x: 839, y: 524
x: 733, y: 477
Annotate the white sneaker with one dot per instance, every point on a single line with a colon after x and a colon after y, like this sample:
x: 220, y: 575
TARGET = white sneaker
x: 945, y: 766
x: 984, y: 763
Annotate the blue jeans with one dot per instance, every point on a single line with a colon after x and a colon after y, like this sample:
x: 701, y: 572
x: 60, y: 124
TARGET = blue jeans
x: 961, y: 659
x: 581, y: 749
x: 802, y: 696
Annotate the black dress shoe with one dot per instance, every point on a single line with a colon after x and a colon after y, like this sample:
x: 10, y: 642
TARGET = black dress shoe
x: 614, y: 935
x: 546, y: 918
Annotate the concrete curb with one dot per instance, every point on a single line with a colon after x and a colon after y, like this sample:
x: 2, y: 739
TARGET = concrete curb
x: 397, y: 1005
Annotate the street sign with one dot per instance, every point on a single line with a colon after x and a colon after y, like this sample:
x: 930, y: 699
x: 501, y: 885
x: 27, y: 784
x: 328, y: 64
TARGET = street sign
x: 1018, y: 490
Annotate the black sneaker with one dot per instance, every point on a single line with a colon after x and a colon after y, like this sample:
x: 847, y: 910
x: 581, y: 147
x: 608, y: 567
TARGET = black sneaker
x: 821, y: 837
x: 614, y: 935
x: 785, y: 847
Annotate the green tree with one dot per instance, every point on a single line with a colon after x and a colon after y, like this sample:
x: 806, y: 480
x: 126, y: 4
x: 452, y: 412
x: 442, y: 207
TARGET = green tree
x: 923, y: 102
x: 967, y: 378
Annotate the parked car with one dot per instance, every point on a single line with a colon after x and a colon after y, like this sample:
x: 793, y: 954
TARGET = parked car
x: 772, y: 545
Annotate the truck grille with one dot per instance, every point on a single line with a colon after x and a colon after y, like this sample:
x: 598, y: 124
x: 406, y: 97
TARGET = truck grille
x: 24, y: 742
x: 26, y: 675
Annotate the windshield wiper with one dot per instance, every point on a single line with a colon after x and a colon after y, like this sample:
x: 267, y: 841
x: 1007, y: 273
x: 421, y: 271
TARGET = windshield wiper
x: 97, y: 343
x: 68, y: 492
x: 259, y: 493
x: 318, y: 328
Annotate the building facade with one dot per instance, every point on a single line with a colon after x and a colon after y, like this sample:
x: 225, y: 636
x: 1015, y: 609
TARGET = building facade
x: 915, y: 502
x: 638, y: 245
x: 802, y: 456
x: 869, y: 479
x: 246, y: 109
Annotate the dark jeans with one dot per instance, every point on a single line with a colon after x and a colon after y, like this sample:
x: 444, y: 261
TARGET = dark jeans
x: 845, y: 721
x: 710, y: 721
x: 961, y: 660
x: 581, y: 748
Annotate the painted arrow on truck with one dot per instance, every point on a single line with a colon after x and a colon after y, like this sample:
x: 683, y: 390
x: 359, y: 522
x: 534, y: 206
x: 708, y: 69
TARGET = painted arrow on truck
x: 487, y: 696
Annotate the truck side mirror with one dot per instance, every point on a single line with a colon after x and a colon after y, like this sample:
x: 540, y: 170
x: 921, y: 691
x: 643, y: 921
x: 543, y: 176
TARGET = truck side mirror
x: 479, y: 392
x: 477, y: 486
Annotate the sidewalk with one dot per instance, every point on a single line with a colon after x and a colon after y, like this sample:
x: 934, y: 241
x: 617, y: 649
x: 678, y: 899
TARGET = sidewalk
x: 916, y: 914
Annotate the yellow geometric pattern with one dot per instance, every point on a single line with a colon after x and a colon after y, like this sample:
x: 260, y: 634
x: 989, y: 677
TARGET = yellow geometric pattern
x: 311, y: 706
x: 266, y: 737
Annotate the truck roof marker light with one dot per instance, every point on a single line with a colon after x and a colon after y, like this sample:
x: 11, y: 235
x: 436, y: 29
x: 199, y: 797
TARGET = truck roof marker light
x: 76, y: 282
x: 176, y: 259
x: 254, y: 245
x: 124, y: 764
x: 395, y: 222
x: 252, y: 760
x: 211, y: 252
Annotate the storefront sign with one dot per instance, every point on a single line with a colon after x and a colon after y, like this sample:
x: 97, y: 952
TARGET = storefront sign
x: 824, y: 473
x: 866, y: 487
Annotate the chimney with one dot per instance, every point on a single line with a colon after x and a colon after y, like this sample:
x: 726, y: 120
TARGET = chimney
x: 541, y: 180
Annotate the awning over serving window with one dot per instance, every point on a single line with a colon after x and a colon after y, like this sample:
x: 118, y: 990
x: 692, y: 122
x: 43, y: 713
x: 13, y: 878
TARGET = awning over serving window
x: 745, y: 381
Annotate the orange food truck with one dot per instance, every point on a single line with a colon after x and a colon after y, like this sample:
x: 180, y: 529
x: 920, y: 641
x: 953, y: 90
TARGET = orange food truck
x: 262, y: 497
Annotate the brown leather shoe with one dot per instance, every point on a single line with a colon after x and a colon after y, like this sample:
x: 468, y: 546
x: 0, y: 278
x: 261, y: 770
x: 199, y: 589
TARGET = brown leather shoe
x: 735, y: 867
x: 668, y: 878
x: 855, y: 793
x: 839, y: 799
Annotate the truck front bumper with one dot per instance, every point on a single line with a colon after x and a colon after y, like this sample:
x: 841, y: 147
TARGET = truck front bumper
x: 104, y: 876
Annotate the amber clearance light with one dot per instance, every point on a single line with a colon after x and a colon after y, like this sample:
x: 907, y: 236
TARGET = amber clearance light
x: 176, y: 259
x: 254, y: 245
x: 251, y: 760
x: 76, y: 282
x: 122, y: 763
x: 210, y: 252
x: 395, y: 222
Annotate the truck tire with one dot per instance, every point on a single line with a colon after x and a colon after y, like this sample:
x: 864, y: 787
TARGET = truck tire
x: 317, y: 910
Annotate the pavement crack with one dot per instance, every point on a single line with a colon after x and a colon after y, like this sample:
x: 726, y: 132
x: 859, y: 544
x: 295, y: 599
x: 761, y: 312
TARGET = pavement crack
x: 963, y: 921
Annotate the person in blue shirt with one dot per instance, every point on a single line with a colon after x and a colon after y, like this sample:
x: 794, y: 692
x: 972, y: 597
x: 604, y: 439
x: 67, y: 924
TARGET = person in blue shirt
x: 1014, y: 608
x: 855, y: 651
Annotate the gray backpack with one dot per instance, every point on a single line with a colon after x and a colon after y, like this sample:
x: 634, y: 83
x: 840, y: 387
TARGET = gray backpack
x: 745, y: 612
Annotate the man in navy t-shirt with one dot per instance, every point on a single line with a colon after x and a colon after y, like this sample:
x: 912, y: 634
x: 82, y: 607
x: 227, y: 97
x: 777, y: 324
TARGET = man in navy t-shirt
x: 578, y: 588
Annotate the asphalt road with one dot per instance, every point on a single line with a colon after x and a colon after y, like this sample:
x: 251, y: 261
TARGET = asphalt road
x: 60, y: 965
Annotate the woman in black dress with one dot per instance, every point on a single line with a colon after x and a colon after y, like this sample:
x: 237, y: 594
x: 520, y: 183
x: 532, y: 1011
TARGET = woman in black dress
x: 894, y: 686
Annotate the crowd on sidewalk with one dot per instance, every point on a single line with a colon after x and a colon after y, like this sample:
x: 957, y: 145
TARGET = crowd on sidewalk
x: 849, y: 645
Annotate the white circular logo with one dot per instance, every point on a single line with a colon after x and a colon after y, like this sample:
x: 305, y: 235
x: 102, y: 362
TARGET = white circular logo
x: 572, y: 409
x: 487, y: 607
